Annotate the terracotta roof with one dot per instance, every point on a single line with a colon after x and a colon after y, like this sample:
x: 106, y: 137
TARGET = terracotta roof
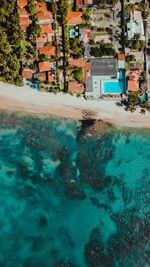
x: 74, y: 18
x: 46, y: 28
x: 48, y: 50
x: 41, y: 6
x: 24, y: 21
x: 22, y: 12
x: 77, y: 62
x: 44, y: 16
x: 24, y: 27
x: 88, y: 2
x: 133, y: 86
x: 79, y: 3
x: 75, y: 87
x: 133, y: 83
x: 22, y: 3
x: 121, y: 56
x: 51, y: 77
x: 44, y: 66
x: 27, y: 73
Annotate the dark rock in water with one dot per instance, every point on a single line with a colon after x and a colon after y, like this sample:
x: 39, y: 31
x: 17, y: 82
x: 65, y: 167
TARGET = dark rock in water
x: 33, y: 262
x: 96, y: 257
x: 111, y: 195
x: 95, y: 202
x: 63, y: 264
x: 43, y: 221
x: 94, y: 182
x: 73, y: 191
x: 127, y: 141
x: 10, y: 173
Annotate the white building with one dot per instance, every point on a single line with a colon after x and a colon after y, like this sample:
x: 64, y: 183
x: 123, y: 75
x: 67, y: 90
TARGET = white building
x: 135, y: 26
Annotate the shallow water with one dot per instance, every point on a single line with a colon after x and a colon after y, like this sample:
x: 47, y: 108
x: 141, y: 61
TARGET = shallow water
x: 73, y: 194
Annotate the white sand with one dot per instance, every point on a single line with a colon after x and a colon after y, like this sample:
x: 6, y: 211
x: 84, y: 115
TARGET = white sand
x: 27, y: 100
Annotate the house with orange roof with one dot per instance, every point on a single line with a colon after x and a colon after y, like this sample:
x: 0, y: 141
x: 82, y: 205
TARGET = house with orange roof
x: 23, y: 12
x: 24, y: 23
x: 75, y: 87
x: 22, y: 3
x: 133, y: 81
x: 74, y: 18
x: 48, y: 50
x: 27, y: 74
x: 44, y: 17
x: 44, y: 66
x: 79, y: 63
x: 47, y: 28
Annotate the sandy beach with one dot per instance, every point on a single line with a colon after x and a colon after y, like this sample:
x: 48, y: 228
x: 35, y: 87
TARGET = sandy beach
x: 29, y: 101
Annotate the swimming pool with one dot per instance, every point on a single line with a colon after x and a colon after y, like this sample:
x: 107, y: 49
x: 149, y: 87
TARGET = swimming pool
x: 117, y: 86
x: 113, y: 87
x: 72, y: 33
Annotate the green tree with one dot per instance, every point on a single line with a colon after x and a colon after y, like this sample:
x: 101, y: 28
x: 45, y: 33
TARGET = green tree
x: 78, y: 75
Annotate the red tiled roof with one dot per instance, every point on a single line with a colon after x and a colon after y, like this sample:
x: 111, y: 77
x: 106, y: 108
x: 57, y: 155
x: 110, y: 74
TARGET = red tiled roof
x: 41, y: 6
x: 79, y: 3
x: 44, y: 66
x: 133, y: 86
x: 121, y: 56
x: 22, y: 3
x: 44, y: 16
x: 24, y: 27
x: 22, y: 12
x: 24, y: 21
x: 74, y: 18
x: 51, y: 77
x: 88, y: 2
x: 48, y: 50
x: 46, y: 28
x: 77, y: 62
x: 75, y: 87
x: 133, y: 83
x: 27, y: 74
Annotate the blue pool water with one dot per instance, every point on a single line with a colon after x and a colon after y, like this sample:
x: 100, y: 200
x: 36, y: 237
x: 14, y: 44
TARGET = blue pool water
x: 54, y: 66
x: 73, y: 194
x: 115, y: 87
x: 72, y: 33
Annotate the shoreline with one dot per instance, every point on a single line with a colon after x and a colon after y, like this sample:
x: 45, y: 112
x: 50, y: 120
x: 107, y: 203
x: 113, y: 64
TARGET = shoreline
x: 28, y: 101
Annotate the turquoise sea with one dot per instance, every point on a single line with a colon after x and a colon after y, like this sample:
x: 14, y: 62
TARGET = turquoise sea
x: 73, y: 194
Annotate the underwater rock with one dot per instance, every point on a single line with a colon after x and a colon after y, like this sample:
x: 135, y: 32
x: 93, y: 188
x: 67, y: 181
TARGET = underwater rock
x: 96, y: 257
x: 63, y: 264
x: 10, y: 173
x: 73, y: 191
x: 94, y: 182
x: 43, y: 221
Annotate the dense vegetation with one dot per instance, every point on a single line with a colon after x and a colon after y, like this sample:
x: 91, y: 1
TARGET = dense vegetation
x: 102, y: 50
x: 10, y: 43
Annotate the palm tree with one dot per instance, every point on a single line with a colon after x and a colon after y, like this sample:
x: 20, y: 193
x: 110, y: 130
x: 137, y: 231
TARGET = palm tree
x: 142, y: 111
